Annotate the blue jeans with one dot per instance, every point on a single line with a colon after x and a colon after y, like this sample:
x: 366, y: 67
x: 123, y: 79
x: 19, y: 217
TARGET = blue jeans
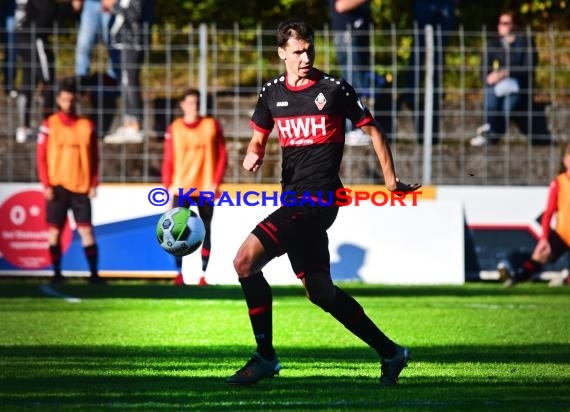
x: 94, y: 22
x: 132, y: 103
x: 498, y: 110
x: 440, y: 14
x: 36, y: 51
x: 353, y: 55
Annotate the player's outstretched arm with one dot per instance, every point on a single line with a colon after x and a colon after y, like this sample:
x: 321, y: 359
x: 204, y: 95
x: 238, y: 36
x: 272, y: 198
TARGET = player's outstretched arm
x: 384, y: 154
x: 255, y: 151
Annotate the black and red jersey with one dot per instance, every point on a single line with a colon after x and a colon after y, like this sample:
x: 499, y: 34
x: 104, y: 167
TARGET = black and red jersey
x: 310, y: 122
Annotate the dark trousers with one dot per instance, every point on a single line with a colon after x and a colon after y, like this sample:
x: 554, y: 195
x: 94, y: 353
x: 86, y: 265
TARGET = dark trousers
x: 37, y: 61
x: 132, y: 105
x: 440, y: 14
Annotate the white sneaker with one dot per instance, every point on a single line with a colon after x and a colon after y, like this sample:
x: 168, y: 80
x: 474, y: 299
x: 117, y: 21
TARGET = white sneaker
x: 560, y: 280
x: 124, y: 135
x: 357, y: 138
x: 478, y: 141
x: 23, y: 134
x: 484, y: 128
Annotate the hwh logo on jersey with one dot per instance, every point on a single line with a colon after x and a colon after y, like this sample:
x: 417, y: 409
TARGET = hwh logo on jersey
x: 302, y: 127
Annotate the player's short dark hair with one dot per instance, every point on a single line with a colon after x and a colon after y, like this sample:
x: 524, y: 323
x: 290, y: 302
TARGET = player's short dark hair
x: 294, y: 28
x: 191, y: 91
x: 68, y: 85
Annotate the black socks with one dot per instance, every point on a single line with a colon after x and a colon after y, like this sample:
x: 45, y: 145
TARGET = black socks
x: 92, y: 256
x: 348, y: 311
x: 55, y: 255
x: 259, y: 299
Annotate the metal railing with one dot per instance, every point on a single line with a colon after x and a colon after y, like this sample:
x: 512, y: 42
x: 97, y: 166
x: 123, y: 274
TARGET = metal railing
x: 230, y: 65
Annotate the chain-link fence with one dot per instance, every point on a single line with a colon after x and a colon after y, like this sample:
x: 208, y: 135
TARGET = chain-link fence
x: 230, y: 65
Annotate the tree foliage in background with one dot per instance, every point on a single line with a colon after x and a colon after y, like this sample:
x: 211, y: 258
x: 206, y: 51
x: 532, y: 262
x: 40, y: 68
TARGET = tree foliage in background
x: 471, y: 14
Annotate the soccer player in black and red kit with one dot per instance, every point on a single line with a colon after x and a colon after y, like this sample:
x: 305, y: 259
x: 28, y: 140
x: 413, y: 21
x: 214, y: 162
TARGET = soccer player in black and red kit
x: 308, y: 107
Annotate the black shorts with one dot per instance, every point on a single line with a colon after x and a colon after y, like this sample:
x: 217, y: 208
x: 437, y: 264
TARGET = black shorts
x: 301, y: 232
x: 62, y: 201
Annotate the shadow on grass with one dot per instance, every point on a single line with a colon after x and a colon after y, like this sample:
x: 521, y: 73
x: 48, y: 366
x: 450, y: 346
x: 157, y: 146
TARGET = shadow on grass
x: 151, y: 290
x: 191, y: 378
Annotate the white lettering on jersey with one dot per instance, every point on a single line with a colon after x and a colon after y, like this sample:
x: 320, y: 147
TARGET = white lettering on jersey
x: 302, y: 127
x: 282, y: 104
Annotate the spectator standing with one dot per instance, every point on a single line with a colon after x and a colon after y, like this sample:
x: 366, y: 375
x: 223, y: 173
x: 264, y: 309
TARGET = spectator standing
x: 94, y: 25
x: 440, y: 14
x: 130, y: 24
x: 7, y: 19
x: 102, y: 89
x: 351, y: 23
x: 34, y: 20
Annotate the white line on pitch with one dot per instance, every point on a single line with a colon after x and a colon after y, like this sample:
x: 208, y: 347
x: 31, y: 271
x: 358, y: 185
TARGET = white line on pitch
x: 49, y: 291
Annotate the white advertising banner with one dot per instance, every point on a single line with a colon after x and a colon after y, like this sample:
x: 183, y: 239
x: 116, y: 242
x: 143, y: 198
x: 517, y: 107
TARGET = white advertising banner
x: 397, y: 244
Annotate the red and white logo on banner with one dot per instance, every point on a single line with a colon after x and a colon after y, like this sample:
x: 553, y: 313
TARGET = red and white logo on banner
x: 24, y: 231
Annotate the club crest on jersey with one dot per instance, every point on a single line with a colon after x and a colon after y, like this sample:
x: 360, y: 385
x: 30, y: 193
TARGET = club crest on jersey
x: 320, y: 101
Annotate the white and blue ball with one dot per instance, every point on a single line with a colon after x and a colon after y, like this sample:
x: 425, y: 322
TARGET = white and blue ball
x: 180, y: 231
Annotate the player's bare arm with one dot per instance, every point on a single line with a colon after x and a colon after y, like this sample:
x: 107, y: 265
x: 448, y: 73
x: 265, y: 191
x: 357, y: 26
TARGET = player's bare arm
x: 542, y: 250
x: 255, y: 151
x: 384, y: 154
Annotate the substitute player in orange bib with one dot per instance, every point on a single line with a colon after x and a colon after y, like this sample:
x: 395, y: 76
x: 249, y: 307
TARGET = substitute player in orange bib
x: 68, y: 168
x: 553, y: 243
x: 195, y: 157
x: 308, y: 108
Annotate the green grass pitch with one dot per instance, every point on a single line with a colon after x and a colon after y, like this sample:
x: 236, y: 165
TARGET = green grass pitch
x: 151, y: 346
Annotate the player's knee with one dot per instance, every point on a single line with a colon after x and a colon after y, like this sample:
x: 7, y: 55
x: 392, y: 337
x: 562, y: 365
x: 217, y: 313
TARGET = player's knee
x: 321, y: 295
x: 242, y: 264
x: 85, y: 229
x: 54, y: 235
x: 250, y: 257
x: 86, y: 234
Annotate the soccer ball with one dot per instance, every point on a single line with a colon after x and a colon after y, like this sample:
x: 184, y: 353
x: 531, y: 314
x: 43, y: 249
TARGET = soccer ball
x: 180, y: 231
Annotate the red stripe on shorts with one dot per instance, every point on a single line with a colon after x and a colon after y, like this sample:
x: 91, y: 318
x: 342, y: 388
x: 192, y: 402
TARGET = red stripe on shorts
x: 269, y: 232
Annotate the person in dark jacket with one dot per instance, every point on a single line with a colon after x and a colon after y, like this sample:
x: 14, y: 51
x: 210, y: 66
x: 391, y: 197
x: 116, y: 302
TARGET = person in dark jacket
x: 7, y: 19
x: 34, y: 20
x: 508, y: 74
